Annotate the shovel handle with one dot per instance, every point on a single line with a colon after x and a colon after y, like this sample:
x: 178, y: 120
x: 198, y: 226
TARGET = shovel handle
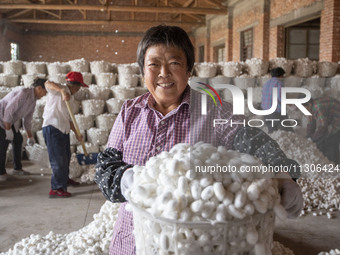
x: 76, y: 126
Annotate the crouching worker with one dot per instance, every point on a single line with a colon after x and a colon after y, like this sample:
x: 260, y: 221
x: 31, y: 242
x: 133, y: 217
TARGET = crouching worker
x: 18, y: 105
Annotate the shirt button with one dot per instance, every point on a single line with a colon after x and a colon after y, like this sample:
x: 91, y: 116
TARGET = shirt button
x: 162, y: 122
x: 158, y: 148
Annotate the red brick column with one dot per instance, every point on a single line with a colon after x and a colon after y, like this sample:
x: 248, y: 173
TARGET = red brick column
x: 330, y: 31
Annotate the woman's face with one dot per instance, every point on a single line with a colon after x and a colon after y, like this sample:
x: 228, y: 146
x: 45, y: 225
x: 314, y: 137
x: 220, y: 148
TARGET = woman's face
x: 165, y: 74
x: 40, y: 92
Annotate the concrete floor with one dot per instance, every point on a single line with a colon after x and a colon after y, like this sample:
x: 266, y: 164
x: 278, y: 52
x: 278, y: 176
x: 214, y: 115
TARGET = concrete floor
x: 26, y: 209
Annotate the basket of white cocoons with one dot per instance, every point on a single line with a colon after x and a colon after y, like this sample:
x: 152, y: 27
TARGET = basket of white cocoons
x: 181, y: 205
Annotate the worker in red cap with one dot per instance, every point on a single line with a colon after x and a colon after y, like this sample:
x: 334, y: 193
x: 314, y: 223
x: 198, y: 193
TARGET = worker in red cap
x: 56, y: 128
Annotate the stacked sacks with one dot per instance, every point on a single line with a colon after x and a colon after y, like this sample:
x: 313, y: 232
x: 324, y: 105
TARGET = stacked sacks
x: 57, y: 68
x: 205, y: 69
x: 106, y: 79
x: 12, y: 70
x: 231, y: 69
x: 304, y: 67
x: 99, y: 92
x: 128, y: 75
x: 257, y: 67
x: 327, y: 69
x: 285, y: 64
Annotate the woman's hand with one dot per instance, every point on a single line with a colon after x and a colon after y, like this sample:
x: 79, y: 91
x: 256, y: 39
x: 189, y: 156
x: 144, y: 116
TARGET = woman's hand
x: 291, y: 196
x: 66, y: 95
x: 80, y: 137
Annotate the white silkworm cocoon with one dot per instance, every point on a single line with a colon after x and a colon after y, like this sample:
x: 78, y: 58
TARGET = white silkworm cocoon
x: 271, y: 190
x: 207, y: 209
x: 171, y: 209
x: 204, y: 238
x: 164, y: 242
x: 221, y: 212
x: 164, y: 198
x: 195, y: 189
x: 234, y: 187
x: 253, y: 191
x: 190, y: 174
x: 173, y: 167
x: 235, y: 212
x: 228, y: 198
x: 260, y: 206
x: 207, y: 193
x: 252, y: 235
x: 245, y: 186
x: 280, y: 211
x: 185, y: 215
x: 219, y: 191
x: 226, y: 181
x: 206, y: 181
x: 249, y: 209
x: 152, y: 172
x: 240, y: 199
x: 164, y: 179
x: 182, y: 184
x: 196, y: 206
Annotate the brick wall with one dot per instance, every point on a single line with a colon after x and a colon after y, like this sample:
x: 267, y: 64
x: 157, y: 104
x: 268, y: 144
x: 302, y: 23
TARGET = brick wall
x: 63, y: 43
x: 330, y: 31
x: 280, y: 8
x: 276, y: 42
x: 245, y: 17
x: 7, y: 35
x: 117, y: 49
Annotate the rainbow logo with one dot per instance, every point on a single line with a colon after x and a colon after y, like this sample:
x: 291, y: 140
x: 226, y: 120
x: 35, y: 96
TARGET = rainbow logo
x: 209, y: 93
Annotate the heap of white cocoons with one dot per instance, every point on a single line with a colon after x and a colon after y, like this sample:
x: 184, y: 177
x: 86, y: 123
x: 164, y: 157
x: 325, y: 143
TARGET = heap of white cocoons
x: 92, y: 239
x: 320, y: 189
x: 168, y: 187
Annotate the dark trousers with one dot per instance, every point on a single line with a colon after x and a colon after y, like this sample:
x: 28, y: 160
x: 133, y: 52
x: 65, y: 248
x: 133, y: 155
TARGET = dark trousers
x: 58, y: 147
x: 329, y: 146
x: 16, y: 150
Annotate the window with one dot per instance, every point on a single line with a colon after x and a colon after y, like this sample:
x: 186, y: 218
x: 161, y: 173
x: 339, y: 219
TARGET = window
x: 246, y: 44
x: 201, y: 53
x: 303, y: 40
x: 14, y: 51
x: 219, y: 53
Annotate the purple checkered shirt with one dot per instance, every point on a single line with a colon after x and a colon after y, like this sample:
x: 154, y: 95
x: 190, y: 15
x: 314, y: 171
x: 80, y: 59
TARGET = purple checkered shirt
x: 267, y: 94
x: 141, y: 132
x: 18, y: 105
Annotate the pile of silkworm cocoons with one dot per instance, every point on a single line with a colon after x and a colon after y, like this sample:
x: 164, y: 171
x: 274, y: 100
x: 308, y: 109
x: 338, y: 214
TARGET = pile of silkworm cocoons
x: 320, y: 190
x: 170, y: 186
x: 92, y: 239
x: 331, y: 252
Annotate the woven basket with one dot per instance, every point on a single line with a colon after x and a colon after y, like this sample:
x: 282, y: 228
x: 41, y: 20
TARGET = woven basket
x: 156, y: 235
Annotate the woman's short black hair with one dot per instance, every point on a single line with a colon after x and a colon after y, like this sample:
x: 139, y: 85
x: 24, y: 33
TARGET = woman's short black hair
x: 277, y: 72
x: 169, y: 36
x: 39, y: 82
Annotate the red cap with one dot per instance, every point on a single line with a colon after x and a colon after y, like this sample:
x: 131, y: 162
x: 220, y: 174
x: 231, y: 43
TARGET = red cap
x: 76, y: 77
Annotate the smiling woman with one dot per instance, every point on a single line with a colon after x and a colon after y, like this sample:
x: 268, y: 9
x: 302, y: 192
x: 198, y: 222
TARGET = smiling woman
x: 166, y: 76
x: 155, y: 122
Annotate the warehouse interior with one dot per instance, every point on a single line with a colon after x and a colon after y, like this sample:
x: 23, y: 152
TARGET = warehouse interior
x: 236, y: 42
